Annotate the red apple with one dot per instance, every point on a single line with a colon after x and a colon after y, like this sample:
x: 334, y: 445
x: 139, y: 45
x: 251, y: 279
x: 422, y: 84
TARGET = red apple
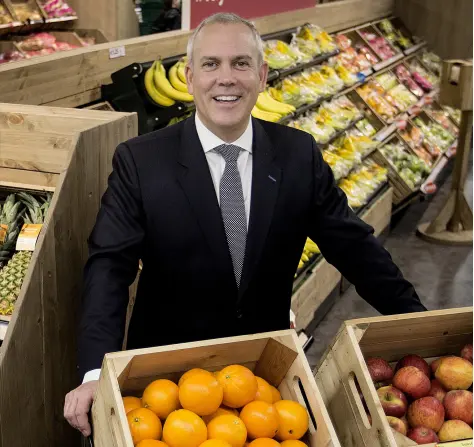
x: 454, y: 373
x: 426, y: 412
x: 416, y: 361
x: 394, y: 402
x: 437, y: 390
x: 412, y: 381
x: 458, y: 405
x: 466, y: 352
x: 397, y: 425
x: 455, y: 430
x: 435, y: 363
x: 422, y: 435
x: 379, y: 369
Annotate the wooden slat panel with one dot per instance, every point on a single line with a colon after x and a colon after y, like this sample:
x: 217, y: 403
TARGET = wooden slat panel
x: 379, y: 214
x: 19, y: 178
x: 84, y: 70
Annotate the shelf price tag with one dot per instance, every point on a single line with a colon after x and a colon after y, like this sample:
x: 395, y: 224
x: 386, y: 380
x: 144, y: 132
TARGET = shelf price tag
x: 28, y: 237
x: 466, y: 443
x: 116, y: 52
x: 3, y: 233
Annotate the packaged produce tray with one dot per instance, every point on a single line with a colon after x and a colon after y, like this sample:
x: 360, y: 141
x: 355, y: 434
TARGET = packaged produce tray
x: 427, y: 334
x: 275, y: 356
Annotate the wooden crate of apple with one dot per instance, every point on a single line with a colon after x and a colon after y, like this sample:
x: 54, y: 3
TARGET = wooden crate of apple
x: 427, y: 402
x: 227, y: 408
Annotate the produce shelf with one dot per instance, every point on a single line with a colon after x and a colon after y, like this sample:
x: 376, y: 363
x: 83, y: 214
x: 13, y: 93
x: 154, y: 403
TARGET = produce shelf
x: 341, y: 132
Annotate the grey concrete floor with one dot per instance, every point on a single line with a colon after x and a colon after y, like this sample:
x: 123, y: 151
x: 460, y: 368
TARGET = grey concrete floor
x: 442, y: 275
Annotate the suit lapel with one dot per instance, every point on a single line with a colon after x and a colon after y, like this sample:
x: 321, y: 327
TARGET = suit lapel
x: 266, y: 178
x: 195, y: 179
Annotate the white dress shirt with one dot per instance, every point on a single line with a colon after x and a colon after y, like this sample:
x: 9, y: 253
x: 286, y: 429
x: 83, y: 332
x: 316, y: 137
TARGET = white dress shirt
x: 216, y: 163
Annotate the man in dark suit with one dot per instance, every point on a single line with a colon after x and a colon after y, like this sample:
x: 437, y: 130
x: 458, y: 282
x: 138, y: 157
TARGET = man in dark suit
x: 218, y: 208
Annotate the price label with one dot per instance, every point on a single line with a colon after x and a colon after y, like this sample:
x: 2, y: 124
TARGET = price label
x: 466, y: 443
x: 3, y: 233
x: 116, y: 52
x: 28, y: 237
x: 429, y: 188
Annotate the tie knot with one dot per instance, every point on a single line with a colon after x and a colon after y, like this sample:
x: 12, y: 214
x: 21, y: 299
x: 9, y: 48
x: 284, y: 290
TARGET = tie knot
x: 229, y: 152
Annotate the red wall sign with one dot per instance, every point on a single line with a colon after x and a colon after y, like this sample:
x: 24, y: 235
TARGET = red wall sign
x: 194, y: 11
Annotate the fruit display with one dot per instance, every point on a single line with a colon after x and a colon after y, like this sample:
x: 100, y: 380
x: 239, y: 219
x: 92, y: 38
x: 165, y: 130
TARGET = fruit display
x: 411, y: 168
x: 310, y: 250
x: 426, y: 403
x: 228, y: 408
x: 27, y: 11
x: 441, y: 116
x: 57, y: 8
x: 455, y: 114
x: 164, y: 89
x: 379, y: 44
x: 313, y: 40
x: 18, y: 209
x: 330, y: 118
x: 362, y: 182
x: 432, y: 62
x: 355, y: 57
x: 418, y: 142
x: 279, y: 54
x: 404, y: 75
x: 426, y: 80
x: 397, y: 94
x: 394, y: 35
x: 435, y: 133
x: 11, y: 56
x: 269, y: 109
x: 373, y: 94
x: 365, y: 127
x: 41, y: 44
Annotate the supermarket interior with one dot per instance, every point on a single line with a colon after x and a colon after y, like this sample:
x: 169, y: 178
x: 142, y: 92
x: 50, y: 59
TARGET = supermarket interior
x: 327, y: 284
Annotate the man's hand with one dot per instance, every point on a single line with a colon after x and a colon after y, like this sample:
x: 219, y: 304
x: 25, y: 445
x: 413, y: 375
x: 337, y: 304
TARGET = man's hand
x: 78, y: 403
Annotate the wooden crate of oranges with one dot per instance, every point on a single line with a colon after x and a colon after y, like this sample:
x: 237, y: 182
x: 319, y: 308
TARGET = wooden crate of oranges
x: 401, y: 380
x: 256, y: 390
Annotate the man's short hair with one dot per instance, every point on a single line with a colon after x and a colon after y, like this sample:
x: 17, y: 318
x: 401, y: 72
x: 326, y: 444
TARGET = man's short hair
x: 225, y: 17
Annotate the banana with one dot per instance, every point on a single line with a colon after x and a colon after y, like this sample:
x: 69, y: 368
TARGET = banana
x: 267, y: 103
x: 304, y: 258
x: 266, y: 116
x: 157, y: 96
x: 164, y: 87
x: 181, y: 71
x: 175, y: 81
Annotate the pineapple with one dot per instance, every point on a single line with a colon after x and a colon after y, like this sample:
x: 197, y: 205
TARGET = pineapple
x: 10, y: 215
x: 11, y: 279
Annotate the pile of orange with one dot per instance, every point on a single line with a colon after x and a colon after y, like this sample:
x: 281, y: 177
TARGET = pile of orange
x: 228, y: 408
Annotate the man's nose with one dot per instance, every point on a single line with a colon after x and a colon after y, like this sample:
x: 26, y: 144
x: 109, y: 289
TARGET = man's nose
x: 226, y: 74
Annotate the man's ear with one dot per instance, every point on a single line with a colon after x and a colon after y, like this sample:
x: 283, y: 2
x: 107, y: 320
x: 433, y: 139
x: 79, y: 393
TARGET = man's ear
x: 189, y: 78
x: 263, y: 74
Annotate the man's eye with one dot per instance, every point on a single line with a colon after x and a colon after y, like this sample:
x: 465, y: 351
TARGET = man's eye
x: 209, y: 64
x: 242, y: 64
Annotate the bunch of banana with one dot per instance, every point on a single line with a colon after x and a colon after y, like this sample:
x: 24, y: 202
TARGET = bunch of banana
x: 310, y: 249
x: 266, y: 116
x: 166, y: 91
x: 266, y: 102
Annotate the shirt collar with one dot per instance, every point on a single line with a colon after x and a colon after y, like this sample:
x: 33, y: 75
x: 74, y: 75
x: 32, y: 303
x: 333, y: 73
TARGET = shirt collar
x: 210, y: 141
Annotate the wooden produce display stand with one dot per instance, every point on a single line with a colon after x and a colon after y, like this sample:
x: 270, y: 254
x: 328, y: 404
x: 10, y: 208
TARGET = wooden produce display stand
x: 427, y: 334
x: 67, y: 151
x: 275, y: 356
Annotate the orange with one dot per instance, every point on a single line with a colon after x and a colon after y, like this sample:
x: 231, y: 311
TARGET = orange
x: 215, y: 443
x: 144, y: 424
x: 260, y: 418
x: 240, y: 385
x: 161, y: 397
x: 275, y: 394
x: 264, y: 391
x: 201, y: 394
x: 292, y: 420
x: 131, y: 403
x: 264, y: 442
x: 151, y: 443
x: 293, y: 443
x: 183, y: 428
x: 229, y: 428
x: 219, y: 412
x: 191, y: 373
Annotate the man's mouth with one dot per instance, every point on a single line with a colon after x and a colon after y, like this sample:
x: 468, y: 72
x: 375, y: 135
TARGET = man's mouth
x: 228, y: 99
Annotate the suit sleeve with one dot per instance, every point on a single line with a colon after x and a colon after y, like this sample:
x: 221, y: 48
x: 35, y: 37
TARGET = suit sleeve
x: 114, y: 252
x: 349, y: 244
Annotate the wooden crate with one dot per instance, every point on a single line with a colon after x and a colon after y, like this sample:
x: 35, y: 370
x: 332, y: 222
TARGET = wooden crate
x: 428, y: 334
x: 67, y: 151
x: 378, y: 214
x: 275, y: 356
x: 85, y: 34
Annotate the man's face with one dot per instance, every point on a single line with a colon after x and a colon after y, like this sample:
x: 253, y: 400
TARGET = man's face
x: 226, y: 76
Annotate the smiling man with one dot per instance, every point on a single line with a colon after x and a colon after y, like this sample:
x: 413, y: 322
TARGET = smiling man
x: 218, y: 208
